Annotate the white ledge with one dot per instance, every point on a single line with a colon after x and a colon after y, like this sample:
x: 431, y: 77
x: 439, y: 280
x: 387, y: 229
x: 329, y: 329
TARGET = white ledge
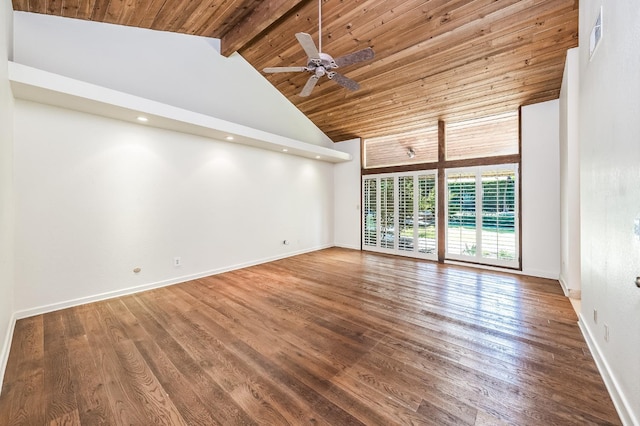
x: 48, y: 88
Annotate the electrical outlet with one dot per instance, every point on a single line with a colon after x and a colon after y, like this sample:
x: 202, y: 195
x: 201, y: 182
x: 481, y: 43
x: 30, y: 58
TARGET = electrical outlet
x: 606, y: 333
x: 595, y: 316
x: 177, y: 262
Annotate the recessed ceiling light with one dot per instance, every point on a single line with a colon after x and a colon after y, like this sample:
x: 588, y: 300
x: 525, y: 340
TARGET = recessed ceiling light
x: 143, y: 119
x: 229, y: 138
x: 285, y: 150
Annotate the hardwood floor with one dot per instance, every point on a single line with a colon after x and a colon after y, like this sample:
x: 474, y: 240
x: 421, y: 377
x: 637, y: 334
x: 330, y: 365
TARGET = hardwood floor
x: 334, y: 337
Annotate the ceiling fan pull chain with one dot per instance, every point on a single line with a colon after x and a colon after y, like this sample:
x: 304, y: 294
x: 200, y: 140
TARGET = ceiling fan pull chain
x: 320, y: 25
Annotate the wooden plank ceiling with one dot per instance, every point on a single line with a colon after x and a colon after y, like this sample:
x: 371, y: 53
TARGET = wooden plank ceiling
x: 436, y: 59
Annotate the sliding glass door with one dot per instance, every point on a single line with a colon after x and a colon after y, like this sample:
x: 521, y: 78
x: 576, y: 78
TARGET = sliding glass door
x: 399, y: 214
x: 482, y: 215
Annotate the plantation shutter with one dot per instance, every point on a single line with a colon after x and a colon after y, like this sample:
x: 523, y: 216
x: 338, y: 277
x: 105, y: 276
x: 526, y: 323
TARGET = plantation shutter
x: 399, y: 214
x: 387, y: 210
x: 461, y: 214
x: 482, y: 215
x: 426, y: 207
x: 498, y: 214
x: 406, y: 222
x: 370, y: 210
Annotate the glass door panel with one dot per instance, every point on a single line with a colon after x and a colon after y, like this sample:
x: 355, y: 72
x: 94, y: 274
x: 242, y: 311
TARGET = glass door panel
x: 426, y: 221
x: 370, y: 209
x: 461, y: 214
x: 406, y: 221
x: 387, y: 213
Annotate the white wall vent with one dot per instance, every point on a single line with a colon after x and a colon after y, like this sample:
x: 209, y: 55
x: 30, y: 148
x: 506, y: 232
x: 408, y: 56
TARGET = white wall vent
x: 596, y: 35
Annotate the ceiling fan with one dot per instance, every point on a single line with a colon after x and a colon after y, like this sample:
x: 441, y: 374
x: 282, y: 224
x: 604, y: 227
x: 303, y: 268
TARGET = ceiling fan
x: 320, y: 64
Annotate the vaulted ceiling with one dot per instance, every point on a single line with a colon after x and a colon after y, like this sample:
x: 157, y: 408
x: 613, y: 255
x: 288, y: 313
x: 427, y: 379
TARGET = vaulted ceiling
x: 434, y: 59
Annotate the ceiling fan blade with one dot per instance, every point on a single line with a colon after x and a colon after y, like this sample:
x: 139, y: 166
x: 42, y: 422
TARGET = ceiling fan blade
x: 284, y: 69
x: 343, y: 81
x: 311, y: 83
x: 308, y: 45
x: 355, y: 57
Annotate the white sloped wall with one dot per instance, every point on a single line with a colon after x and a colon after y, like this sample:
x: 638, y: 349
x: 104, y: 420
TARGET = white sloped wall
x: 177, y: 69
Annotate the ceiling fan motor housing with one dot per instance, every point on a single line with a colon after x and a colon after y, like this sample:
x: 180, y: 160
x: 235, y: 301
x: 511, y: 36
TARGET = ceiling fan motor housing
x: 326, y: 61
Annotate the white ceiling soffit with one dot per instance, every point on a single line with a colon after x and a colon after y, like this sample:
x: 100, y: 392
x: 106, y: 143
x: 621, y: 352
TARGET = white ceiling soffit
x: 48, y: 88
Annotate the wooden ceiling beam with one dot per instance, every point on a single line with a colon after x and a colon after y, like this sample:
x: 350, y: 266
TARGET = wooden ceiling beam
x: 265, y: 14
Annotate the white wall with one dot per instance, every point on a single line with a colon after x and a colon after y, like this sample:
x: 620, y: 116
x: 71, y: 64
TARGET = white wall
x: 346, y: 187
x: 570, y: 177
x: 96, y: 198
x: 177, y: 69
x: 6, y: 188
x: 610, y: 196
x: 540, y: 196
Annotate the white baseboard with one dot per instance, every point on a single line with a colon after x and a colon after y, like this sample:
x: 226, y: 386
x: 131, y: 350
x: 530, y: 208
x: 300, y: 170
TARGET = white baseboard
x: 348, y: 246
x: 540, y: 273
x: 38, y: 310
x: 572, y: 293
x: 563, y: 284
x: 6, y: 347
x: 529, y: 272
x: 624, y: 408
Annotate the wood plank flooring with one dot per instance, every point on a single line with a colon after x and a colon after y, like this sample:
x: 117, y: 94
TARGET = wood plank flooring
x: 335, y: 337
